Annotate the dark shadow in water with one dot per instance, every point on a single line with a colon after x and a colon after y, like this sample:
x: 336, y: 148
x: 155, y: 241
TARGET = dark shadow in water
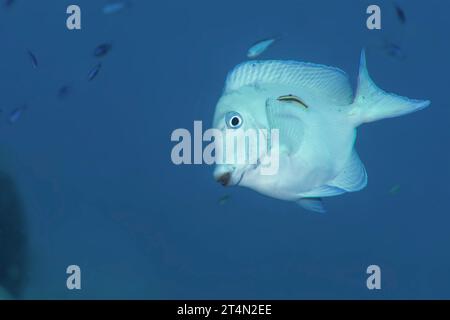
x: 13, y: 238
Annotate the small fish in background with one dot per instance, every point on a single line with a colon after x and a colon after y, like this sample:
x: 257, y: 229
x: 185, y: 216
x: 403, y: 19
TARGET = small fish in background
x: 394, y: 51
x: 94, y: 72
x: 102, y: 50
x: 259, y: 47
x: 63, y: 92
x: 400, y: 13
x: 16, y: 114
x: 34, y: 61
x: 394, y: 190
x: 8, y: 3
x: 224, y: 199
x: 116, y: 6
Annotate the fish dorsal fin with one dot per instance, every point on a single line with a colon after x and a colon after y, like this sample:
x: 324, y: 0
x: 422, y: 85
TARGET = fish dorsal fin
x: 353, y: 177
x: 328, y: 82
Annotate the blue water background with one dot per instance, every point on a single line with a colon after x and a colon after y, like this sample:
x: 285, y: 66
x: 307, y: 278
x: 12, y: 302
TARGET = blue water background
x: 100, y: 191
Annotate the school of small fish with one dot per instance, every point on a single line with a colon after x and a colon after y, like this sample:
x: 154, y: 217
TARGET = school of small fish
x: 99, y: 52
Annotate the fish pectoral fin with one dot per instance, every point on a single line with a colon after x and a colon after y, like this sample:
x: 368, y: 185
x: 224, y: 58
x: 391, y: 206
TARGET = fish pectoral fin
x: 286, y: 119
x: 312, y: 204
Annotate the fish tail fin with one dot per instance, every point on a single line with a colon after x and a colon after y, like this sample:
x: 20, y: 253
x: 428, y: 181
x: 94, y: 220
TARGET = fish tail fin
x: 372, y: 103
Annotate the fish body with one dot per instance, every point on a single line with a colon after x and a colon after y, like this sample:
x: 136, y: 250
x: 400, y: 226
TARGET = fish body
x: 63, y: 91
x: 8, y: 3
x: 224, y: 199
x: 394, y: 51
x: 34, y: 61
x: 394, y: 189
x: 102, y: 50
x: 316, y: 115
x: 15, y: 114
x: 94, y: 71
x: 400, y: 14
x: 258, y: 48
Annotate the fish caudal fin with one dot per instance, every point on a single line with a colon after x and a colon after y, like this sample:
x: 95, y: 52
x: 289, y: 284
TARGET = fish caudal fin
x: 372, y: 103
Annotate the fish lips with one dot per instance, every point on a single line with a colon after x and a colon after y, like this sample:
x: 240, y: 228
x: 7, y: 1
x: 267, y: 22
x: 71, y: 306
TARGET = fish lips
x: 228, y: 175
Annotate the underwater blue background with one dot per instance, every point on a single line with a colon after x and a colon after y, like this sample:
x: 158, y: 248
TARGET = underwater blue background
x: 99, y: 190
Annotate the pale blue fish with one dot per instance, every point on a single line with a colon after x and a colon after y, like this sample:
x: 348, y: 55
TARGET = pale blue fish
x: 116, y: 6
x: 316, y: 113
x: 259, y: 47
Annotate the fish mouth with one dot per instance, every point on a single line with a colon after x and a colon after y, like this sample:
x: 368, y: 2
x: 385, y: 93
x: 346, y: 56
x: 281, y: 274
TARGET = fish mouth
x: 224, y: 179
x: 227, y: 179
x: 229, y: 176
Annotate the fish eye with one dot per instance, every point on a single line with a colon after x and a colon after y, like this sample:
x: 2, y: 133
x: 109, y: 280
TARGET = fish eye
x: 233, y: 120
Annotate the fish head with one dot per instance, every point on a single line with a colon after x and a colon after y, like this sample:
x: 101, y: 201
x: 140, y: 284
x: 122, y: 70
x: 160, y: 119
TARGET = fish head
x: 241, y: 120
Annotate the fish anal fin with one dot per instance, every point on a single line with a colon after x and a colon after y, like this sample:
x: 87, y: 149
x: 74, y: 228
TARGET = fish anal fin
x: 323, y: 191
x: 312, y: 204
x: 353, y: 176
